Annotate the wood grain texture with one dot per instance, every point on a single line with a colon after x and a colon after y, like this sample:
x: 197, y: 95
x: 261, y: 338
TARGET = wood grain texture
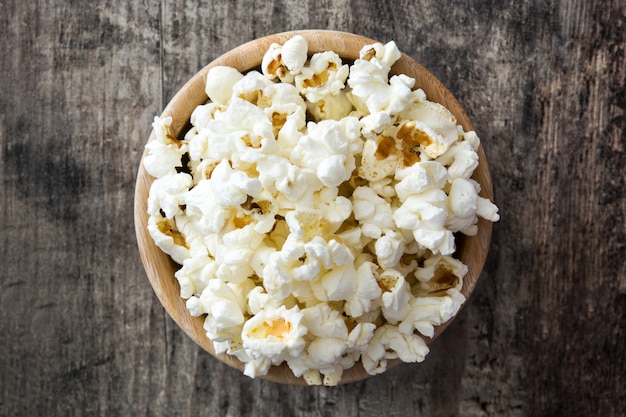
x: 544, y: 83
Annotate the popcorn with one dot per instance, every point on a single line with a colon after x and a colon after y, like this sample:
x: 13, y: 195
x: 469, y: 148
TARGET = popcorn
x: 373, y: 213
x: 282, y: 178
x: 313, y: 207
x: 374, y: 167
x: 285, y: 61
x: 329, y: 149
x: 430, y: 125
x: 462, y: 207
x: 219, y: 83
x: 370, y: 85
x: 167, y: 194
x: 334, y: 106
x: 230, y: 187
x: 202, y: 206
x: 168, y: 238
x: 396, y: 295
x: 389, y: 249
x: 366, y: 291
x: 438, y: 295
x: 275, y: 334
x: 418, y: 178
x: 387, y: 53
x: 283, y: 102
x: 337, y: 284
x: 165, y: 153
x: 194, y: 275
x: 389, y: 343
x: 223, y: 309
x: 251, y: 88
x: 324, y: 76
x: 241, y: 134
x: 461, y: 159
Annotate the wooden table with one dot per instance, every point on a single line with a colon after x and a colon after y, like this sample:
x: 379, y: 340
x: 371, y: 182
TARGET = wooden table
x: 81, y: 332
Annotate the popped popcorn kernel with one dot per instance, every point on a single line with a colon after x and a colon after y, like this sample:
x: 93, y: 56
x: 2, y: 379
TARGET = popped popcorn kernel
x: 313, y: 206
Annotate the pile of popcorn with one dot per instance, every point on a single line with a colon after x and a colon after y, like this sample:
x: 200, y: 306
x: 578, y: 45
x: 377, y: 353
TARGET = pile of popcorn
x: 312, y: 207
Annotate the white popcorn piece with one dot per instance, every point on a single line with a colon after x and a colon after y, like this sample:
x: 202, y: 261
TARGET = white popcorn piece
x: 425, y: 216
x: 288, y: 136
x: 372, y: 89
x: 332, y: 378
x: 202, y: 115
x: 250, y: 88
x: 465, y: 206
x: 337, y: 284
x: 166, y: 197
x: 366, y: 292
x: 235, y: 252
x: 230, y: 187
x: 340, y: 254
x: 335, y: 209
x: 294, y: 53
x: 324, y: 76
x: 202, y: 206
x: 335, y: 107
x: 389, y: 343
x: 324, y: 353
x: 383, y: 188
x: 291, y: 182
x: 429, y: 125
x: 441, y: 273
x: 487, y: 210
x: 322, y: 357
x: 389, y: 249
x: 282, y: 102
x: 165, y: 152
x: 374, y: 214
x: 303, y: 366
x: 426, y: 312
x: 418, y: 178
x: 193, y: 235
x: 376, y: 163
x: 312, y: 377
x: 437, y: 296
x: 274, y: 334
x: 198, y: 145
x: 167, y: 194
x: 324, y: 321
x: 168, y: 238
x: 462, y: 207
x: 461, y: 159
x: 329, y: 149
x: 373, y: 125
x: 257, y: 367
x: 388, y: 53
x: 305, y: 224
x: 396, y: 295
x: 220, y: 302
x: 360, y: 336
x: 291, y: 270
x: 195, y: 274
x: 219, y: 83
x: 285, y: 61
x: 259, y: 299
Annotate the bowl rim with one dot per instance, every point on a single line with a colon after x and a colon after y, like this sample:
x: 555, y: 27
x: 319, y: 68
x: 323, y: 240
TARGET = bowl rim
x: 192, y: 94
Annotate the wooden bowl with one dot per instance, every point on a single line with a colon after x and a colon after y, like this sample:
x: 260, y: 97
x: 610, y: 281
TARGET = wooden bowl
x: 160, y: 268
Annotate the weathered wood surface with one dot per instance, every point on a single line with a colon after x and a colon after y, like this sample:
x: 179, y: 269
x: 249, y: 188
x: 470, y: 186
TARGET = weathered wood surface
x: 81, y: 332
